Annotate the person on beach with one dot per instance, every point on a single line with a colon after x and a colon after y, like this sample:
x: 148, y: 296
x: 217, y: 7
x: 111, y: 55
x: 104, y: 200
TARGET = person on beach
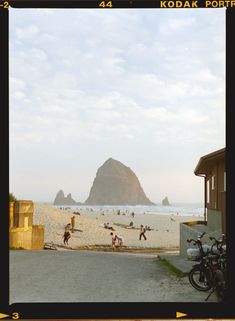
x: 73, y: 223
x: 142, y: 232
x: 106, y: 225
x: 67, y: 234
x: 117, y: 238
x: 113, y: 240
x: 68, y: 227
x: 120, y: 240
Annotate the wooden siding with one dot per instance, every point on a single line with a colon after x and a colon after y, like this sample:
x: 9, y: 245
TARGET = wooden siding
x: 217, y: 197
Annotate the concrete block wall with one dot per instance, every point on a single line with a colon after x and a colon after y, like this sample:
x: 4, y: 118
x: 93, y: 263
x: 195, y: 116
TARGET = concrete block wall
x: 192, y: 231
x: 23, y: 211
x: 186, y: 232
x: 37, y: 237
x: 23, y: 234
x: 19, y: 238
x: 24, y: 206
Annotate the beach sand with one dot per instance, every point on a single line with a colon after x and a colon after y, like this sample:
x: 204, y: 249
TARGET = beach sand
x: 165, y: 233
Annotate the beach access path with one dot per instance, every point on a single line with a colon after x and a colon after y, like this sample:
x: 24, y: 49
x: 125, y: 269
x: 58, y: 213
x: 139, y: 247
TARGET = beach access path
x: 82, y: 276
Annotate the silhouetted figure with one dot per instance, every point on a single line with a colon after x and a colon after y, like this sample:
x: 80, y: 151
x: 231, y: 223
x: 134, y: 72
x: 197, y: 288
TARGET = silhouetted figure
x: 142, y: 232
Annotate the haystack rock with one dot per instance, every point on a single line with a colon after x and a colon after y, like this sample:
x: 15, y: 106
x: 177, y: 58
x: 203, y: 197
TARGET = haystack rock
x: 116, y: 184
x: 165, y: 202
x: 60, y: 199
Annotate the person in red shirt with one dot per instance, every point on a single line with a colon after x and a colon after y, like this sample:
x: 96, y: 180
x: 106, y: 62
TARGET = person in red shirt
x: 117, y: 238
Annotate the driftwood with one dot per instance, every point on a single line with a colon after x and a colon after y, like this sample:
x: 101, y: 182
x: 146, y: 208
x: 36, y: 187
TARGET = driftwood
x: 126, y: 226
x: 50, y: 246
x: 77, y: 230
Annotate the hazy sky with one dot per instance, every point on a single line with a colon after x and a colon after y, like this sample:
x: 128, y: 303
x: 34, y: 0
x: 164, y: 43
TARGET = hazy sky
x: 145, y: 87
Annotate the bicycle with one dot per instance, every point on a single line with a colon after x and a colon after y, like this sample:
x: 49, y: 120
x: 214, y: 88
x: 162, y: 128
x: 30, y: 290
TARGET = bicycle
x: 199, y: 276
x: 218, y: 276
x: 210, y: 273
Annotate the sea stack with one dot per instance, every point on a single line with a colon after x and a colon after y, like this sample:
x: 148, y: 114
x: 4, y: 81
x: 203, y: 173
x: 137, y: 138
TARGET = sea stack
x: 165, y: 202
x: 60, y: 199
x: 116, y: 184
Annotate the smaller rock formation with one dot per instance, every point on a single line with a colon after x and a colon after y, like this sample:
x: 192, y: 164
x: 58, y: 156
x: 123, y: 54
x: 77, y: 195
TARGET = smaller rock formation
x: 60, y: 199
x: 165, y: 202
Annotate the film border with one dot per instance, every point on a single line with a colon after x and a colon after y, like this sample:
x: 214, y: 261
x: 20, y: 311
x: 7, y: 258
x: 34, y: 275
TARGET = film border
x: 112, y: 310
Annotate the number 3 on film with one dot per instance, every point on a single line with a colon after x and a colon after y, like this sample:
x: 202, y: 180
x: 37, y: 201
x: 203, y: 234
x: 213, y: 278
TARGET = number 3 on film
x: 104, y: 4
x: 15, y: 316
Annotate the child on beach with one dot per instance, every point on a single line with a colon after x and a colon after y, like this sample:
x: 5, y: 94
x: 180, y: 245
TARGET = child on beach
x: 120, y: 240
x: 67, y: 234
x: 113, y: 240
x: 117, y: 238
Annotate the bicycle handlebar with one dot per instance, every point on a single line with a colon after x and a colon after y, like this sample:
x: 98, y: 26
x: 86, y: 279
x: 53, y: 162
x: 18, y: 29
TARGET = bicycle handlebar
x: 202, y: 235
x: 218, y: 243
x: 198, y: 239
x: 198, y: 242
x: 213, y: 238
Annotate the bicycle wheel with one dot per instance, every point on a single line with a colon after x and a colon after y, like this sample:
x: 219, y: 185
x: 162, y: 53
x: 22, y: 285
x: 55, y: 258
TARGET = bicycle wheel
x: 220, y: 284
x: 200, y: 278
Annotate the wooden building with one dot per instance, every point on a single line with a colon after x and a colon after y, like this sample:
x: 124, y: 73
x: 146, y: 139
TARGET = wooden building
x: 212, y: 168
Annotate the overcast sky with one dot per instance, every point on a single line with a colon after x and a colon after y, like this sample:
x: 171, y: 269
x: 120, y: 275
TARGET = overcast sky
x: 145, y: 87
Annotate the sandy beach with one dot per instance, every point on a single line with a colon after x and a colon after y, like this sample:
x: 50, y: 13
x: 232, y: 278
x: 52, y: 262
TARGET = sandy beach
x: 164, y: 233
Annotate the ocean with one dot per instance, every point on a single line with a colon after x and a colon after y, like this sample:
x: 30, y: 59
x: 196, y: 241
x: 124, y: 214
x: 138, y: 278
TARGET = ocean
x: 182, y: 209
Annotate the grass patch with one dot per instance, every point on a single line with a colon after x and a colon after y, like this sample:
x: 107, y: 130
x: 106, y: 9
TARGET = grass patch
x: 172, y: 268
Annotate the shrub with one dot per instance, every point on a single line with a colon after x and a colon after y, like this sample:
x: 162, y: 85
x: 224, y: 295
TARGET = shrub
x: 12, y: 197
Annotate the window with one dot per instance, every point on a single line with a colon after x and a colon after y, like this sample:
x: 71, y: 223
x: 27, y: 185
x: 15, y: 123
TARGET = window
x: 213, y: 182
x: 208, y: 191
x: 225, y: 181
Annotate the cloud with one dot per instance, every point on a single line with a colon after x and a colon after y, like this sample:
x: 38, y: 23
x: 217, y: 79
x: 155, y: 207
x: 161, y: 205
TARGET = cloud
x: 139, y: 84
x: 27, y: 32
